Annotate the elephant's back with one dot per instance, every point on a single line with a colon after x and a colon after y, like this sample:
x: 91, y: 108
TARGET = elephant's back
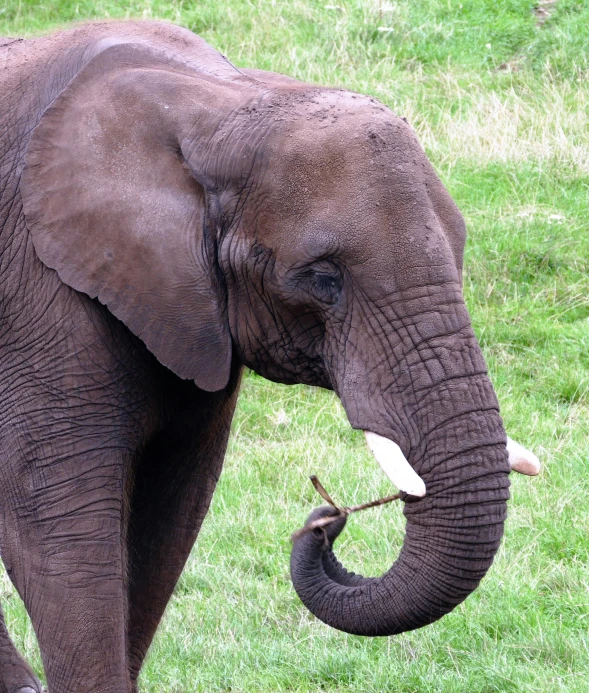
x: 6, y: 40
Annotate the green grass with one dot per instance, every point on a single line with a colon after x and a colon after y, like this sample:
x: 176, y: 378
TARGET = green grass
x: 501, y: 106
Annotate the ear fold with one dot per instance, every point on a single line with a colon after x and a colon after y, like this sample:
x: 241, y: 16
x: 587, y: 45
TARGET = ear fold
x: 114, y: 209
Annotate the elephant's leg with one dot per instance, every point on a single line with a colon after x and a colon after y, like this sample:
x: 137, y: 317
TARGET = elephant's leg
x: 174, y: 482
x: 65, y: 553
x: 16, y: 675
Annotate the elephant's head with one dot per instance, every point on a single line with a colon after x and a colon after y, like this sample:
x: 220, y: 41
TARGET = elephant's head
x: 304, y: 232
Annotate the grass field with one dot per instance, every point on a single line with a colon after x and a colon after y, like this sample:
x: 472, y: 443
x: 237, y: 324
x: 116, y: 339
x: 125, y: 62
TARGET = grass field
x: 501, y: 105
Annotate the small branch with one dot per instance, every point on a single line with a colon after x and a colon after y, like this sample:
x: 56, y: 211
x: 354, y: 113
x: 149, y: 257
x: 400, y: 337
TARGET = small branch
x: 372, y: 504
x: 316, y: 524
x: 321, y: 491
x: 324, y: 521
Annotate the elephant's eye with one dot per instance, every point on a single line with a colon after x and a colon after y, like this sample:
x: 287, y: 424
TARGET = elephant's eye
x: 325, y: 284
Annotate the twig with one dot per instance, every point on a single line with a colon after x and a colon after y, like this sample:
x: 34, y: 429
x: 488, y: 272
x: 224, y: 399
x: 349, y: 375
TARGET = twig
x: 323, y: 521
x: 321, y: 491
x: 372, y: 504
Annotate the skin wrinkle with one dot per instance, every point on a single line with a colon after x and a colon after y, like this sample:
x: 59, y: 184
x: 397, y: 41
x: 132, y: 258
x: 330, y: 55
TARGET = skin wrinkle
x: 265, y: 273
x: 416, y: 347
x: 444, y: 422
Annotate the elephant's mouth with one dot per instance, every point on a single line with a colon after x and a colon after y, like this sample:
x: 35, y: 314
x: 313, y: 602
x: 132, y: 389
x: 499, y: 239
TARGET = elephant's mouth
x: 396, y: 466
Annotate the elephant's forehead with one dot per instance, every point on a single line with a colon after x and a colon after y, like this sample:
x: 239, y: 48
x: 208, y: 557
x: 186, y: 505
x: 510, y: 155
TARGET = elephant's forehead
x: 365, y: 143
x: 358, y: 189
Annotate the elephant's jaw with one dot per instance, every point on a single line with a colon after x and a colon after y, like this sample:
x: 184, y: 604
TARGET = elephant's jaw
x: 395, y: 465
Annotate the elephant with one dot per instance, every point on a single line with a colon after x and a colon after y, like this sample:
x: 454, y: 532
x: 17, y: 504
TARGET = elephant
x: 167, y: 219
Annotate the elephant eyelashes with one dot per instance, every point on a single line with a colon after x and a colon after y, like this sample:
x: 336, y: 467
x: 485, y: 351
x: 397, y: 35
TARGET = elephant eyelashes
x: 325, y: 287
x: 321, y: 279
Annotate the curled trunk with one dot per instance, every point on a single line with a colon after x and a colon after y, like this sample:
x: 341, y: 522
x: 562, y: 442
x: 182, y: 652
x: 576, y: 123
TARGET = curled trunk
x: 452, y: 536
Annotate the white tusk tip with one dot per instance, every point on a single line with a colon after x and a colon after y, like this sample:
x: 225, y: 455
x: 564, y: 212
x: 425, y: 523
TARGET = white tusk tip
x: 522, y: 460
x: 394, y: 464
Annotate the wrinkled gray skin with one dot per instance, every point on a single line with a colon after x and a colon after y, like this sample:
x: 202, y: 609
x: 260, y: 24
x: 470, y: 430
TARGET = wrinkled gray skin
x: 166, y: 218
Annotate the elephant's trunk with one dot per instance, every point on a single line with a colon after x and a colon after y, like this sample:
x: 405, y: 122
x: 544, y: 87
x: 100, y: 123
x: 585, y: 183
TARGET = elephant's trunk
x: 452, y: 534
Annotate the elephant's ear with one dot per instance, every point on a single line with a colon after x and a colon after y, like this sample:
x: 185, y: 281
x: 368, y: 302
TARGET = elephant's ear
x: 112, y: 206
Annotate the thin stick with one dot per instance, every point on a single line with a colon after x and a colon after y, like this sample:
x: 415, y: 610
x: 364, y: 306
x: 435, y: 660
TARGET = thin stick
x: 372, y: 504
x: 323, y: 521
x: 321, y: 491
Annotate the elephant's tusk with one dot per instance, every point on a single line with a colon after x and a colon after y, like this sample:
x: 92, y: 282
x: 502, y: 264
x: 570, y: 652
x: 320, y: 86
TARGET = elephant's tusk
x: 394, y: 464
x: 522, y: 460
